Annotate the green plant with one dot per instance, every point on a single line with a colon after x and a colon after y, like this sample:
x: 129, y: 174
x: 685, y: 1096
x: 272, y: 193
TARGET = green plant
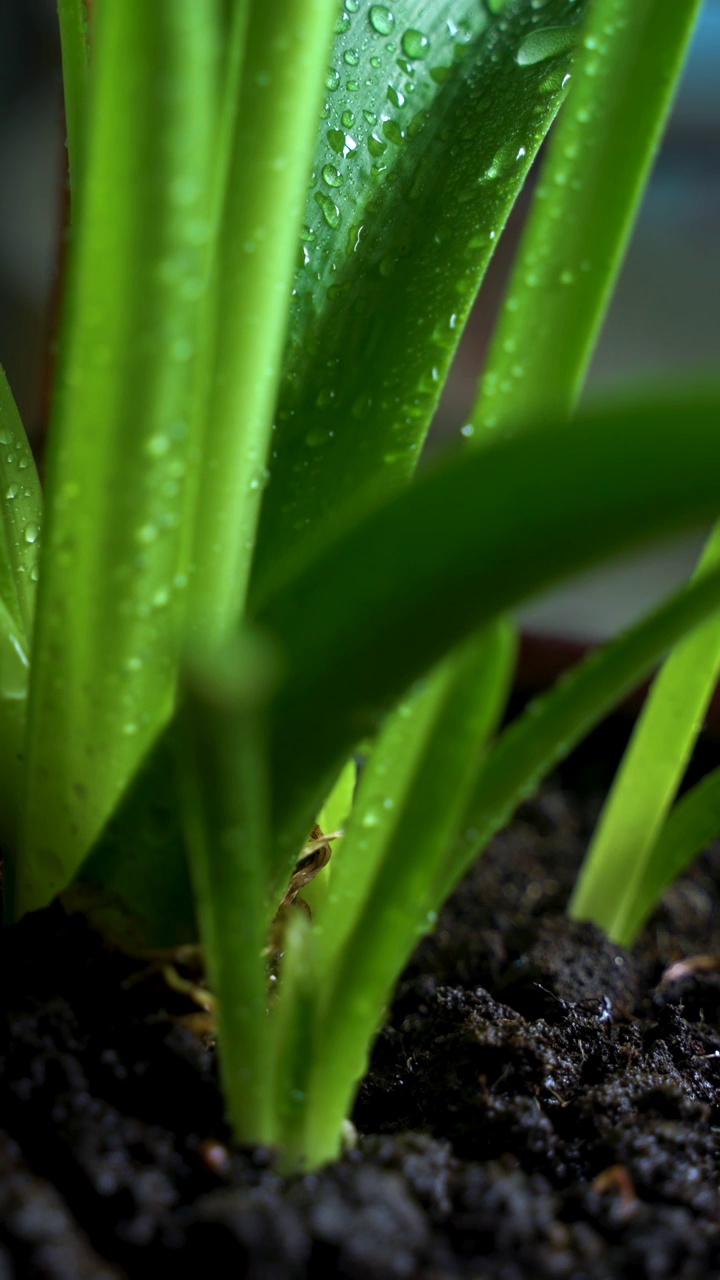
x: 209, y: 649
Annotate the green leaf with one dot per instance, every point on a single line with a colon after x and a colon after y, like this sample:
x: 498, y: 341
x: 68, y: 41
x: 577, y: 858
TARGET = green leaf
x: 20, y: 520
x: 555, y: 723
x: 693, y: 823
x: 469, y: 540
x: 411, y: 797
x: 272, y: 121
x: 134, y: 883
x: 120, y: 483
x: 430, y: 124
x: 621, y: 852
x: 412, y: 765
x: 20, y: 523
x: 73, y: 21
x: 593, y: 177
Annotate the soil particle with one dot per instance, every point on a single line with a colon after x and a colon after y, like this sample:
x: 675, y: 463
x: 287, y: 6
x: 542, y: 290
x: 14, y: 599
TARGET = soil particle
x: 540, y: 1103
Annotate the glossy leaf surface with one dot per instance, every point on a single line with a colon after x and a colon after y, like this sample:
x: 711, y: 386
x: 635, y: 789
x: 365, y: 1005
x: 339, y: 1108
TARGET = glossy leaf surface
x: 20, y: 528
x: 432, y: 117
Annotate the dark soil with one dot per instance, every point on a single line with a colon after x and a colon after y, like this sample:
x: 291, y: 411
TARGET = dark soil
x: 540, y: 1104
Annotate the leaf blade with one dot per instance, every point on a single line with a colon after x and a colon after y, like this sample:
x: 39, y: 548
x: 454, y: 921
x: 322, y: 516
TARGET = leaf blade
x: 454, y: 550
x: 120, y: 484
x: 401, y: 221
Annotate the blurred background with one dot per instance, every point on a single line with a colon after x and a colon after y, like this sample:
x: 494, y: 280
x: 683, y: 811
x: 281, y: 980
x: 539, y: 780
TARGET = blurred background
x: 664, y: 321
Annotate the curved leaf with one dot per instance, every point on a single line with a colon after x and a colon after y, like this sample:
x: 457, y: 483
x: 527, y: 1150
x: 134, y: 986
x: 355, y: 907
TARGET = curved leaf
x: 433, y: 116
x: 553, y: 725
x: 398, y: 587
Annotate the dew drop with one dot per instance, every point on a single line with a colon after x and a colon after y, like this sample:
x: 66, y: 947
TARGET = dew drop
x: 336, y: 138
x: 32, y: 532
x: 347, y: 119
x: 12, y: 491
x: 415, y: 45
x: 381, y: 19
x: 468, y: 430
x: 330, y: 211
x: 370, y: 819
x: 393, y: 132
x: 332, y: 176
x: 351, y: 57
x: 332, y: 80
x: 376, y: 146
x: 548, y: 43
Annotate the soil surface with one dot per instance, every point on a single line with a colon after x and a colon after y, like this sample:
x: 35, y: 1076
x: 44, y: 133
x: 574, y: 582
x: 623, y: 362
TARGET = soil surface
x: 540, y: 1104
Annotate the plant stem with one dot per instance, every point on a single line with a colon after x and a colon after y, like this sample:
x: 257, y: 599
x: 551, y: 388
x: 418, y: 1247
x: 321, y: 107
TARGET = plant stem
x: 226, y: 815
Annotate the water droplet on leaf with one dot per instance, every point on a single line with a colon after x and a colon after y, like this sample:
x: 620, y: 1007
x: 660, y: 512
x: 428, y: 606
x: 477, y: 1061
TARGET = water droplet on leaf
x: 415, y: 44
x: 381, y: 19
x: 330, y: 211
x: 548, y: 43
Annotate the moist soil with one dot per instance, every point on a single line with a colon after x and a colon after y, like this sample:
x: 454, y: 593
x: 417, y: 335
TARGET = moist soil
x: 541, y: 1103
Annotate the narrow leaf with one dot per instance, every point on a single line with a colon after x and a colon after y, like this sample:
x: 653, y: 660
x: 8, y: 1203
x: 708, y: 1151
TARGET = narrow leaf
x: 465, y: 543
x: 74, y: 40
x: 431, y: 121
x: 273, y: 128
x: 554, y: 724
x: 368, y: 938
x: 622, y: 849
x: 601, y: 150
x: 20, y: 519
x: 115, y: 559
x: 692, y: 824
